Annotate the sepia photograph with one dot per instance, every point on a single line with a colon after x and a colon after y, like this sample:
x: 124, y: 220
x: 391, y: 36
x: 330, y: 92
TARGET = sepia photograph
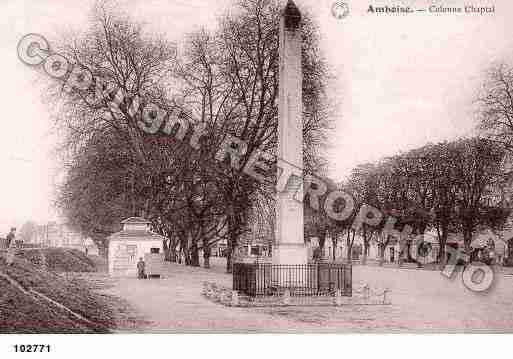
x: 255, y: 166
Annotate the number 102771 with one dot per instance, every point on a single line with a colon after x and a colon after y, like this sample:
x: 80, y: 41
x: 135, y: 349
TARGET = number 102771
x: 31, y: 348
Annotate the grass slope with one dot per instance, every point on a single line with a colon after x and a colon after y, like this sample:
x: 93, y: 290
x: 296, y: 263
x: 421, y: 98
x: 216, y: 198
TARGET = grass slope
x: 22, y: 313
x: 59, y: 259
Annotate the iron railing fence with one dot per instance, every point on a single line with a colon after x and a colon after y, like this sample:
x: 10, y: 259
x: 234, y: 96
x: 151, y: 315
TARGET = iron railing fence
x: 319, y: 279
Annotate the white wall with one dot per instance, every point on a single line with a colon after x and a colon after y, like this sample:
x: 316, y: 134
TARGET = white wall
x: 143, y: 247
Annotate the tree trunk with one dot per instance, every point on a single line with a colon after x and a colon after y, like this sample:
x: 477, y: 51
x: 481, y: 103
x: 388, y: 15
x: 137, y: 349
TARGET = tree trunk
x: 187, y: 257
x: 382, y: 247
x: 195, y: 256
x: 441, y: 254
x: 183, y: 252
x: 232, y: 242
x: 400, y: 255
x: 229, y: 264
x: 467, y: 240
x: 418, y: 257
x: 350, y: 242
x: 322, y: 241
x: 172, y: 254
x: 365, y: 250
x: 206, y: 257
x: 165, y: 247
x: 232, y: 245
x: 349, y: 246
x: 409, y: 258
x: 365, y: 246
x: 442, y: 232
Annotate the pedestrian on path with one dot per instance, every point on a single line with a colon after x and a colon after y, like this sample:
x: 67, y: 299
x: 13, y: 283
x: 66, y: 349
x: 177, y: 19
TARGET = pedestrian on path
x: 140, y: 269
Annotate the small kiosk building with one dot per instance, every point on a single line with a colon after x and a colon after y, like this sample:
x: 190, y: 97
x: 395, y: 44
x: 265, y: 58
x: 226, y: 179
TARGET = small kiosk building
x: 134, y: 241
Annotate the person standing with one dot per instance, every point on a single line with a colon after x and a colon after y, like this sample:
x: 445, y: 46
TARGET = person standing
x: 11, y: 250
x: 140, y: 269
x: 11, y: 236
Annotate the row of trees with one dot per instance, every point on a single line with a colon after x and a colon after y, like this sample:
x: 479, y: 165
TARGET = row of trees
x: 449, y: 187
x: 224, y: 81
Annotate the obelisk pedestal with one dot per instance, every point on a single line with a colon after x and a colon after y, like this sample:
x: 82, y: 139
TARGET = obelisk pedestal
x: 289, y: 247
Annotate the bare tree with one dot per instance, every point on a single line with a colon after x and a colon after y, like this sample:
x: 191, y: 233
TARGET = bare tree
x: 477, y: 169
x: 496, y: 105
x: 230, y: 79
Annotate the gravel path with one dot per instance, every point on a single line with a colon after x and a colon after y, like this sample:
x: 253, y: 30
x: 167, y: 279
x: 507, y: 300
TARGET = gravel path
x: 422, y: 301
x: 174, y: 304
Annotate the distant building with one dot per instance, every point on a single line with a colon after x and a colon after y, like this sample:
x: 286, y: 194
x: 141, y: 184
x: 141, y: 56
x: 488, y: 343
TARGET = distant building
x: 60, y: 235
x: 91, y: 249
x: 256, y: 243
x: 485, y: 244
x: 426, y: 253
x: 219, y: 249
x: 250, y: 249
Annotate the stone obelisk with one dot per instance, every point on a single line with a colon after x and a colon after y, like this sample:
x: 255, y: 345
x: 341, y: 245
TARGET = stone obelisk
x: 289, y: 247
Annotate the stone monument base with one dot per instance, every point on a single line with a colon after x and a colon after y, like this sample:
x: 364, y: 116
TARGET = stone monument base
x: 290, y: 254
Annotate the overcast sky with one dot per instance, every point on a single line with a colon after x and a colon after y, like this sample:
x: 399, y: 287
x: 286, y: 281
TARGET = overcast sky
x: 402, y: 81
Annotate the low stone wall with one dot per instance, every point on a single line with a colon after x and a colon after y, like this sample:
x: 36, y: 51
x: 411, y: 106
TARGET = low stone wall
x: 228, y: 297
x: 218, y: 294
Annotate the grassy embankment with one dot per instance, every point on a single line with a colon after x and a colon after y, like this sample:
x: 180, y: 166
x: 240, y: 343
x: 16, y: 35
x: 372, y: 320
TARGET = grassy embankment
x: 23, y: 311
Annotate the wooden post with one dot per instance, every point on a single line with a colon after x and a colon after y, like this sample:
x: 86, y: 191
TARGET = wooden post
x: 235, y: 298
x: 286, y: 297
x: 338, y: 298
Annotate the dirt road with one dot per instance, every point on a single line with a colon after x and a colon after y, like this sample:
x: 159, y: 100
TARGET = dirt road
x: 422, y: 301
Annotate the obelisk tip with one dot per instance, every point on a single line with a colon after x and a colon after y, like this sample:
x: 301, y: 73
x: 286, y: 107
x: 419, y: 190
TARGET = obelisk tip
x: 292, y: 15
